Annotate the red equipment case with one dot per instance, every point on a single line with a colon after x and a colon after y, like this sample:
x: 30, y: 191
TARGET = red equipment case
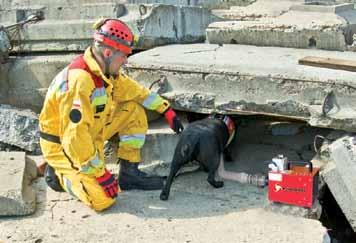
x: 298, y: 185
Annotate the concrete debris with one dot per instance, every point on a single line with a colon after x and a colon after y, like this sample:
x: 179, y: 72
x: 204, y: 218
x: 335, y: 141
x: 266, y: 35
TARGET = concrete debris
x: 160, y: 141
x: 303, y: 26
x: 19, y: 128
x: 202, y: 78
x: 339, y: 175
x: 16, y: 175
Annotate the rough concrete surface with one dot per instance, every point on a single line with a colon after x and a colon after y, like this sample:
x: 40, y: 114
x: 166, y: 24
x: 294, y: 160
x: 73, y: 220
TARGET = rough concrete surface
x: 339, y: 175
x: 160, y: 143
x: 16, y: 194
x: 304, y: 26
x: 19, y: 128
x: 240, y: 79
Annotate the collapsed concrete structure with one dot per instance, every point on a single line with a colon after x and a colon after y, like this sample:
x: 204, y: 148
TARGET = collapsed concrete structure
x: 204, y: 78
x: 152, y: 24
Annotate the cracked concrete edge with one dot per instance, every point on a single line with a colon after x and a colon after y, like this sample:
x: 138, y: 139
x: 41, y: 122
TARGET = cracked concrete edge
x: 21, y: 201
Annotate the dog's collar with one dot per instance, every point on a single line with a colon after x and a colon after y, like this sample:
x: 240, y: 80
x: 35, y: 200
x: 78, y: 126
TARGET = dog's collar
x: 230, y: 127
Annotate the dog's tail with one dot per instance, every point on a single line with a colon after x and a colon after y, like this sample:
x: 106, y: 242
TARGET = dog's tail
x: 183, y: 153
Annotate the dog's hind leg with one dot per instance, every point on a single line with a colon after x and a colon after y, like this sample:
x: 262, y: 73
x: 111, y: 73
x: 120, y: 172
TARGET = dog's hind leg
x: 167, y: 187
x: 213, y: 168
x: 182, y: 155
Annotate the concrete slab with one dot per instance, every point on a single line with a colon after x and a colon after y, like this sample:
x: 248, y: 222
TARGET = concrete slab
x: 204, y: 78
x: 339, y: 176
x: 240, y: 79
x: 303, y: 27
x: 160, y: 144
x: 16, y: 174
x: 258, y: 9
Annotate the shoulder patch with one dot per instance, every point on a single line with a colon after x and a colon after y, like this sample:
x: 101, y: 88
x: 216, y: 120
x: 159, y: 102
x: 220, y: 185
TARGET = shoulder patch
x: 75, y: 115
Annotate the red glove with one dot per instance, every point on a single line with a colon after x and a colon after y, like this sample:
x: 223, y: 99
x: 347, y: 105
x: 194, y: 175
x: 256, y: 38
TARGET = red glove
x: 173, y: 121
x: 109, y: 184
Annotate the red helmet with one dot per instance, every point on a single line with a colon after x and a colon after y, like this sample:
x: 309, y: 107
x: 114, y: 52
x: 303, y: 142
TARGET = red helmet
x: 114, y: 33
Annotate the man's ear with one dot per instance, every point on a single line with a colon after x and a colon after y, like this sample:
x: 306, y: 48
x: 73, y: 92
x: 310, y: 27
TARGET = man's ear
x: 107, y: 52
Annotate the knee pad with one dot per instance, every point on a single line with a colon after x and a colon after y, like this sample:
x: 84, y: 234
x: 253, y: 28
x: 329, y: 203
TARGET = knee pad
x: 52, y: 179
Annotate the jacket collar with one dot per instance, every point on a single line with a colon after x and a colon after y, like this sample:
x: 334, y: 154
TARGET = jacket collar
x: 94, y: 66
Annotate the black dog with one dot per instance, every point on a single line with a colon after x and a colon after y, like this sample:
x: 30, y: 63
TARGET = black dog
x: 204, y: 141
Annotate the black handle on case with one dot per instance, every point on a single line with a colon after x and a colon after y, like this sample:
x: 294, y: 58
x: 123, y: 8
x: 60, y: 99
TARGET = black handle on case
x: 300, y: 163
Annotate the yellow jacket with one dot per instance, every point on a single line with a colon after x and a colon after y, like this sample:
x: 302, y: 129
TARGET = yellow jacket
x: 78, y: 104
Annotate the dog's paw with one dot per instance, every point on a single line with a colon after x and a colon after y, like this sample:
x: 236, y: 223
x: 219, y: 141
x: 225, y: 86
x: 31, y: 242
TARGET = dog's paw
x: 218, y: 184
x: 163, y: 196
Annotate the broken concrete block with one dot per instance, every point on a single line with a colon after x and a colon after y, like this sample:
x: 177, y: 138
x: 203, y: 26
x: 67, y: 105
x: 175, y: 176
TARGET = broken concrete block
x: 159, y: 145
x: 339, y: 175
x: 302, y: 27
x: 16, y: 173
x: 19, y: 128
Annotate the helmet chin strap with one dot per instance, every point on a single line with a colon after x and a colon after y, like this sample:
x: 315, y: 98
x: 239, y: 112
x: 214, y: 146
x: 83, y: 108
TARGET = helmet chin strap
x: 107, y: 61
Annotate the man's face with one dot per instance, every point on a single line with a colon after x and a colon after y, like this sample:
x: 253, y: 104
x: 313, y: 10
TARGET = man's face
x: 118, y: 59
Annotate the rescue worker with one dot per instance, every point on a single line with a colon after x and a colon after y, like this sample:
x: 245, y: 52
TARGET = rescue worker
x: 87, y: 103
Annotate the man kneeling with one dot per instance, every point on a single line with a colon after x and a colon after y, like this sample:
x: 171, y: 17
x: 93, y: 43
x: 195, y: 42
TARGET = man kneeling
x: 87, y: 103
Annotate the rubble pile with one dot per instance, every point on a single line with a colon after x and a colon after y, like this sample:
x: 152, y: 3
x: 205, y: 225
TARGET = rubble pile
x: 240, y: 58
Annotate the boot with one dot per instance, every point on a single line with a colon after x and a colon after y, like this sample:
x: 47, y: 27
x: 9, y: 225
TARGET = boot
x: 130, y: 177
x: 52, y: 179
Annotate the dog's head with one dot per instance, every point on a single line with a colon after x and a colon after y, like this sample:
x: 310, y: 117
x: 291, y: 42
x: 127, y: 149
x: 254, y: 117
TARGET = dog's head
x: 229, y: 124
